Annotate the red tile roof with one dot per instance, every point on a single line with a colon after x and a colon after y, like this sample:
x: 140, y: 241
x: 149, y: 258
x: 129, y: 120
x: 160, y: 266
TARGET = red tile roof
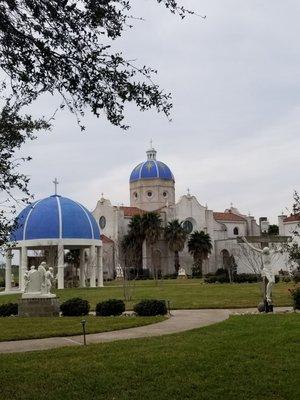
x: 106, y: 239
x: 292, y: 218
x: 131, y: 211
x: 228, y: 216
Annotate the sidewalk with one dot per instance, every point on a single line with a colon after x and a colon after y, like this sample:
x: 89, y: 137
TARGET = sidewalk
x: 180, y: 321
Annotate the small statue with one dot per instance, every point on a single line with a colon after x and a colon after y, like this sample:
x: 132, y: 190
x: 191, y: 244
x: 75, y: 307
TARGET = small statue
x: 49, y: 278
x: 181, y: 273
x: 42, y: 271
x: 119, y: 272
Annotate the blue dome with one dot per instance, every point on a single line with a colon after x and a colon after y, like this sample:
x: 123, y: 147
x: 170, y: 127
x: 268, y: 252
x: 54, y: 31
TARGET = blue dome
x: 151, y: 169
x: 55, y: 217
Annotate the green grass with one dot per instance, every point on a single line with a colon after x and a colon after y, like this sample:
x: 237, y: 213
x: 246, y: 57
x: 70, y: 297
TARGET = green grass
x: 181, y: 293
x: 14, y: 328
x: 246, y: 357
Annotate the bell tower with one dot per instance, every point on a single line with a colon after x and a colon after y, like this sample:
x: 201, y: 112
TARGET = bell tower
x: 152, y: 184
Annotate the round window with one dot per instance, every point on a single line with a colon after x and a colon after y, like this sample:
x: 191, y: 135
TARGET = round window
x: 135, y: 195
x: 102, y: 222
x: 188, y: 226
x: 165, y: 194
x: 149, y: 194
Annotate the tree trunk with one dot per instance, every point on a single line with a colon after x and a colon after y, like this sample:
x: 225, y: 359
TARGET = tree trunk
x: 176, y: 261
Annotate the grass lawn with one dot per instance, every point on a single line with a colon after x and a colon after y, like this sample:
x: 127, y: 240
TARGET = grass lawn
x: 181, y: 293
x: 14, y: 328
x: 254, y: 357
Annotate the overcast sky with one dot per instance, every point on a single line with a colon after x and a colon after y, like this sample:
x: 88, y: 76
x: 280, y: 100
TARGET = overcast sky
x: 235, y: 80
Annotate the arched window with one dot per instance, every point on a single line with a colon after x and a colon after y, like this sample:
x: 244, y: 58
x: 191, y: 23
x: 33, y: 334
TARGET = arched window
x: 236, y: 231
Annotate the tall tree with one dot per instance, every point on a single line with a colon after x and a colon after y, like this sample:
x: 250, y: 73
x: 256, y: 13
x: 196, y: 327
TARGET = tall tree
x: 64, y: 47
x: 152, y: 228
x: 176, y: 237
x: 200, y: 247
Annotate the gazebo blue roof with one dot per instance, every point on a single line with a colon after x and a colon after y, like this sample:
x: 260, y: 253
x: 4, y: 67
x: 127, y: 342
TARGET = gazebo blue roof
x: 55, y: 217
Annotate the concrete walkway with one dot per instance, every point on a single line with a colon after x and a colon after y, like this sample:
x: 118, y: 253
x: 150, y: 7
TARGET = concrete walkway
x: 180, y: 321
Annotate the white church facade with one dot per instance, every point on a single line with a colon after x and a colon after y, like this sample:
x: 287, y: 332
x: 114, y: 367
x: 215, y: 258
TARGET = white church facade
x: 152, y: 188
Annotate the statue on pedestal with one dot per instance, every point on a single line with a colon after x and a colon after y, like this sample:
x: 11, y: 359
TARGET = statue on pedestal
x: 119, y: 272
x: 182, y: 273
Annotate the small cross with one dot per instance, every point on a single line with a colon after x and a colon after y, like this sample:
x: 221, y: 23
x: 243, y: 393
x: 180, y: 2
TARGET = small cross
x: 188, y: 192
x: 102, y: 195
x: 55, y: 185
x: 151, y: 144
x: 231, y: 205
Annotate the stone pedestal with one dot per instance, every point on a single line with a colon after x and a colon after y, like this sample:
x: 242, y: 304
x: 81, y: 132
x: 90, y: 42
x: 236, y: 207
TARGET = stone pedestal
x: 38, y: 307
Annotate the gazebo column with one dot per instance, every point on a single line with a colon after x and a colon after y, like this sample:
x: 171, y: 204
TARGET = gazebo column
x: 60, y: 267
x: 8, y: 257
x: 51, y: 260
x: 100, y: 265
x: 82, y: 267
x: 92, y: 266
x: 23, y: 267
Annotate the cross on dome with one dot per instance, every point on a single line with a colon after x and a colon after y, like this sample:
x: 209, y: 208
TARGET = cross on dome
x: 56, y: 183
x: 151, y: 153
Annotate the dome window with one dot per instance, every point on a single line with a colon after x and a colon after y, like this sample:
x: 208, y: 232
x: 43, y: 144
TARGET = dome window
x: 165, y: 194
x: 149, y: 193
x: 236, y: 231
x: 135, y: 195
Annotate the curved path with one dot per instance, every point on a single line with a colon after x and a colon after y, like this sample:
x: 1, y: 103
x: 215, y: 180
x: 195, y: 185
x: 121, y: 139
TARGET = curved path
x: 180, y: 320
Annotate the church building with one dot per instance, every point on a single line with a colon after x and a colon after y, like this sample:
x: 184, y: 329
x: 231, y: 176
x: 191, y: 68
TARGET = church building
x: 152, y: 188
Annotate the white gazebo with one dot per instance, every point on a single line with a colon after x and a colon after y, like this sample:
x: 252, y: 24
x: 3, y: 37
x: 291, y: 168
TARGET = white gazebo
x: 56, y: 224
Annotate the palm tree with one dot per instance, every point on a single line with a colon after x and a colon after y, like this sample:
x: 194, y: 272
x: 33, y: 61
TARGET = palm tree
x: 152, y: 229
x: 200, y: 247
x: 176, y: 236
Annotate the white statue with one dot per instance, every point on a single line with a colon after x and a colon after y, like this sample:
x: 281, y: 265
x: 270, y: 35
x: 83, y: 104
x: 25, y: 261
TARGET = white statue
x: 266, y: 270
x: 182, y: 273
x: 119, y: 272
x: 38, y: 282
x: 49, y: 277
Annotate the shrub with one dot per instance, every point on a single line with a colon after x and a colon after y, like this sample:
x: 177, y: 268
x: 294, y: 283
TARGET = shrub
x: 75, y: 307
x: 110, y: 307
x: 6, y: 310
x: 286, y: 279
x: 174, y: 275
x: 148, y: 308
x: 245, y: 278
x: 296, y: 298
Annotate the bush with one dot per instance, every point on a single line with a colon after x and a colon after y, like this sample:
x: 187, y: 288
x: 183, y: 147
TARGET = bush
x: 245, y: 278
x: 6, y: 310
x: 110, y: 307
x: 149, y: 308
x: 286, y: 279
x: 216, y: 279
x: 296, y: 298
x: 75, y: 307
x: 171, y: 276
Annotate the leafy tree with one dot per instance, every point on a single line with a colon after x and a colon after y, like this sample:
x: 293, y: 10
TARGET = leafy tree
x: 15, y: 130
x: 273, y: 230
x: 176, y: 237
x: 64, y: 47
x: 200, y: 247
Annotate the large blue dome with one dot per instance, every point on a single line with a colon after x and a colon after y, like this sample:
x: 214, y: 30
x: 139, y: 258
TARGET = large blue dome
x: 151, y: 169
x: 55, y: 217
